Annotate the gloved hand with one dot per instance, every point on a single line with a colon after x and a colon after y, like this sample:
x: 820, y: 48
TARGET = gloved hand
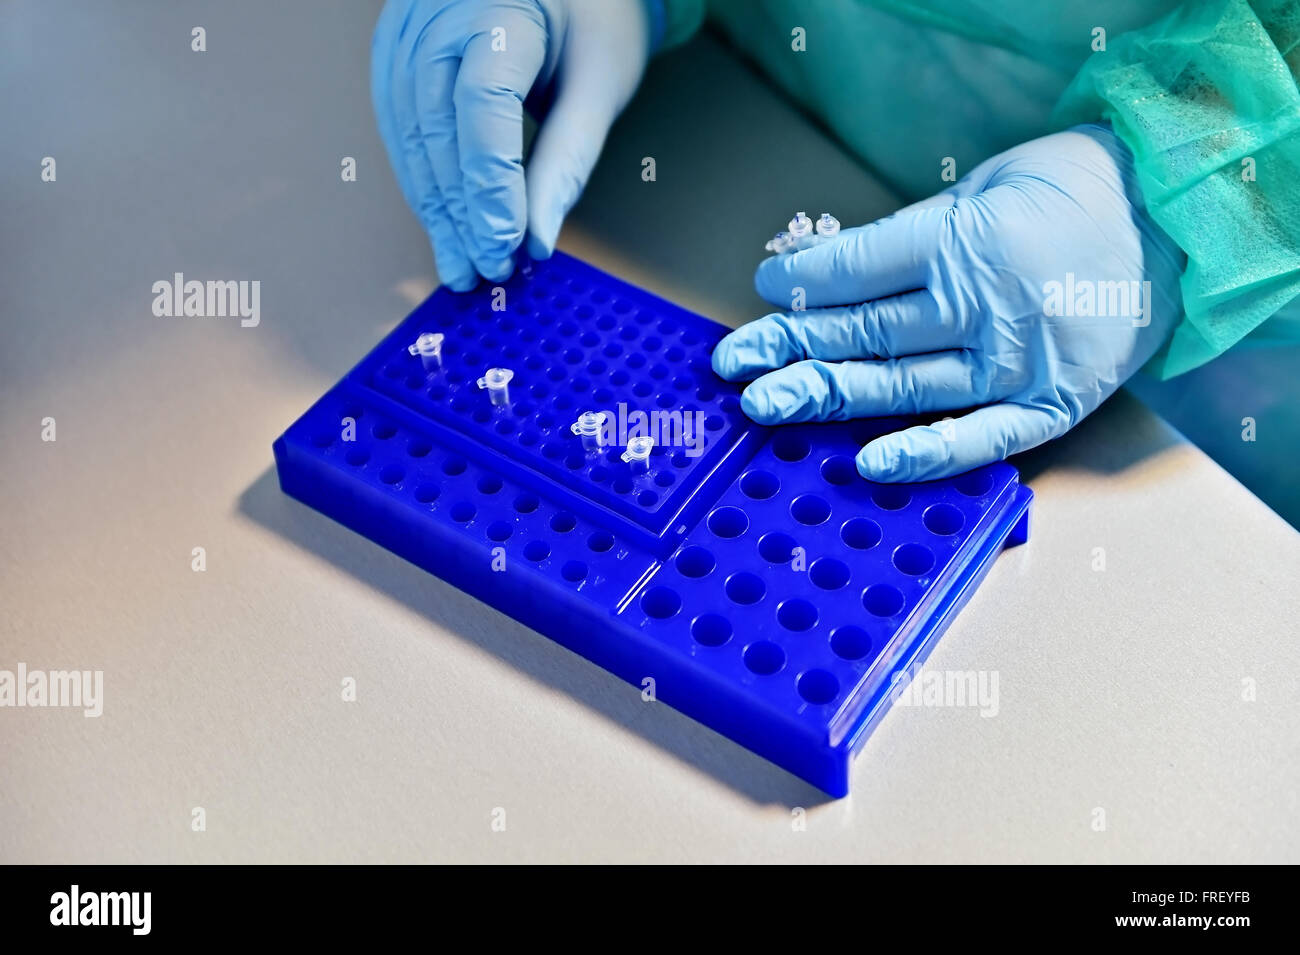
x: 1000, y: 292
x: 449, y: 80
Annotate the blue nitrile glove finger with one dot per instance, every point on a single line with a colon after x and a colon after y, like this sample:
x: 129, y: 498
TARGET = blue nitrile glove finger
x: 1044, y: 264
x: 600, y: 66
x: 888, y: 257
x: 992, y: 433
x: 489, y: 104
x: 778, y: 277
x: 906, y: 324
x: 449, y: 82
x: 564, y: 154
x: 428, y: 66
x: 382, y: 51
x: 395, y: 114
x: 828, y: 391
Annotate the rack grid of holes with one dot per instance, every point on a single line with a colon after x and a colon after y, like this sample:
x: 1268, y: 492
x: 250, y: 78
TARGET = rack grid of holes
x: 474, y: 501
x: 576, y: 381
x: 793, y: 585
x: 802, y: 574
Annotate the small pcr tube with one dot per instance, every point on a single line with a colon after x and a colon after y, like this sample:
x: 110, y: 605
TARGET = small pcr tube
x: 429, y: 347
x: 638, y: 453
x: 828, y: 227
x: 588, y: 427
x: 780, y: 243
x: 801, y: 231
x: 497, y: 383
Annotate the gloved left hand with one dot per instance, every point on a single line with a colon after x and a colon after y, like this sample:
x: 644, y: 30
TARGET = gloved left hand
x: 1033, y: 288
x: 449, y: 82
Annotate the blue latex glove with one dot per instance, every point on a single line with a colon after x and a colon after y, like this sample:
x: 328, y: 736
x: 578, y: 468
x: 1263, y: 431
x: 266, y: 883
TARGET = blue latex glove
x: 948, y: 304
x: 449, y: 80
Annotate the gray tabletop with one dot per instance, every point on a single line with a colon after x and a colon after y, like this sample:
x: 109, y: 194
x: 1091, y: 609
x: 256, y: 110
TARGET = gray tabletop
x: 1144, y: 640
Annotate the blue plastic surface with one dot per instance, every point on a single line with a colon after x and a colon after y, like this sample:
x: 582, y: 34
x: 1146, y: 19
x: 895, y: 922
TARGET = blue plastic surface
x: 768, y: 590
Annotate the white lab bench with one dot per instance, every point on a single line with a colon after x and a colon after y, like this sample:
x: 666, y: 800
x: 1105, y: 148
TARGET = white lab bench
x: 1162, y: 690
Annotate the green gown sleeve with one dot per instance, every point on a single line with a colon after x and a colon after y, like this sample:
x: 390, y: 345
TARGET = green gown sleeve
x: 1207, y: 100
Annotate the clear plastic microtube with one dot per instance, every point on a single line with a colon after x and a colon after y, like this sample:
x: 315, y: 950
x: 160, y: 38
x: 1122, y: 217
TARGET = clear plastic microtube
x: 801, y: 231
x: 638, y: 453
x: 497, y: 383
x: 429, y: 347
x: 780, y: 243
x: 828, y: 227
x: 588, y: 427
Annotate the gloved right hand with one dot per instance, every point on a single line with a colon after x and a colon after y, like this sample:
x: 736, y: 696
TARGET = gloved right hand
x: 959, y: 301
x: 449, y: 81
